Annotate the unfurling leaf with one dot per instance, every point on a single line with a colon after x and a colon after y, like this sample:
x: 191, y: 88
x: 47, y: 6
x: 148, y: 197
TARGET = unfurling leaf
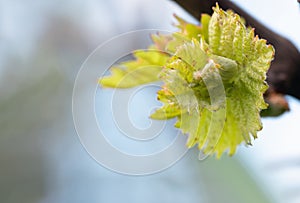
x: 143, y: 69
x: 214, y: 80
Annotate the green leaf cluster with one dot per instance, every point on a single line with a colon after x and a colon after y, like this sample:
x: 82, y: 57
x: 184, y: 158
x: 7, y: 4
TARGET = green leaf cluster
x: 214, y: 80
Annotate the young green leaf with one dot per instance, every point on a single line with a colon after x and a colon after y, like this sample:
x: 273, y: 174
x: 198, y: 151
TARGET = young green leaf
x: 143, y: 69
